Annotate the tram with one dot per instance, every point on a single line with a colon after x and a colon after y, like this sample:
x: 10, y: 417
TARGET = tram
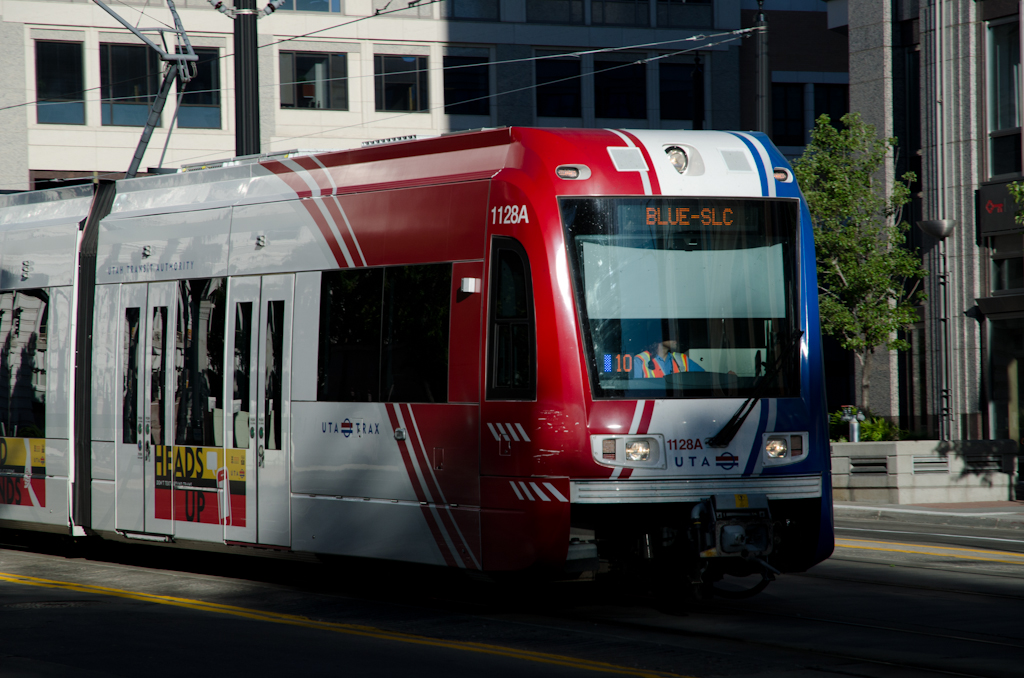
x: 497, y: 350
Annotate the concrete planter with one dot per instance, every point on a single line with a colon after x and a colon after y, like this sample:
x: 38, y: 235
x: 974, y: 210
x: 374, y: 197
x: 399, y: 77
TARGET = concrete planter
x: 925, y: 471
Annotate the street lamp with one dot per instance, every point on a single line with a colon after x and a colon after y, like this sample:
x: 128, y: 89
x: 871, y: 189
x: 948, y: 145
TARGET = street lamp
x: 940, y: 229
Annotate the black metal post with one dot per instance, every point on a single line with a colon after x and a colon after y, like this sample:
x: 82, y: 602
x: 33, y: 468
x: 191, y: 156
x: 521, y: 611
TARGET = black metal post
x: 247, y: 91
x: 764, y: 74
x: 940, y: 229
x: 698, y: 93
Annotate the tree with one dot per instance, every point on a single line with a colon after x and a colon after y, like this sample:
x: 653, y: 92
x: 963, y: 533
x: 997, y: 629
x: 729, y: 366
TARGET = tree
x: 868, y: 281
x: 1016, y: 190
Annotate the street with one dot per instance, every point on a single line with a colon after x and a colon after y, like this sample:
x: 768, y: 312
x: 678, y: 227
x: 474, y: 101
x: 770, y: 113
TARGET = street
x: 887, y: 603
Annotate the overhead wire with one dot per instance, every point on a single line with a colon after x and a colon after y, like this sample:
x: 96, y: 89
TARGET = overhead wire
x: 397, y: 116
x: 577, y: 53
x: 562, y: 55
x: 229, y: 54
x: 498, y: 94
x: 732, y: 36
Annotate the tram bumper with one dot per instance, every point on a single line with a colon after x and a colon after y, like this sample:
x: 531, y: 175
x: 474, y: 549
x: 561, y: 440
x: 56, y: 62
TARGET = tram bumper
x: 732, y: 526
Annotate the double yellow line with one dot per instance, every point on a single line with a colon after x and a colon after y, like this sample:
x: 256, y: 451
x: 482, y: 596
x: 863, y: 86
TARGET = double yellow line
x: 944, y: 551
x: 347, y: 629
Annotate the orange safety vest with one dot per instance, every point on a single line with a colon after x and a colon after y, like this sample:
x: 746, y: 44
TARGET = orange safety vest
x: 679, y: 364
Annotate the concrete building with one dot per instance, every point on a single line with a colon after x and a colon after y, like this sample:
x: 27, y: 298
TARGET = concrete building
x: 334, y: 73
x: 944, y: 76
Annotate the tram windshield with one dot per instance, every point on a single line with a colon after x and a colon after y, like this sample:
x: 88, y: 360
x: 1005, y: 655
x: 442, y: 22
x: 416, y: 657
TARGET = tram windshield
x: 686, y: 297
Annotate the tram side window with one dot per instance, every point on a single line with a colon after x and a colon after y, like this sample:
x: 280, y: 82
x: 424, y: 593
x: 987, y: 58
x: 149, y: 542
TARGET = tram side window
x: 23, y: 318
x: 242, y: 365
x: 349, y: 356
x: 511, y: 363
x: 198, y: 362
x: 414, y: 350
x: 130, y: 386
x: 273, y: 373
x: 384, y: 334
x: 157, y: 372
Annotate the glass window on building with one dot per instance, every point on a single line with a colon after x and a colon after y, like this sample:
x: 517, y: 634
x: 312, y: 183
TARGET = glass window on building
x: 466, y: 86
x: 1006, y: 360
x: 312, y: 5
x: 558, y: 88
x: 620, y: 12
x: 400, y: 83
x: 675, y: 81
x: 1004, y: 139
x: 129, y: 82
x: 788, y: 126
x: 1007, y: 262
x: 59, y: 83
x: 200, y: 103
x: 480, y: 10
x: 832, y: 100
x: 620, y: 90
x: 314, y: 80
x: 554, y: 11
x: 684, y: 13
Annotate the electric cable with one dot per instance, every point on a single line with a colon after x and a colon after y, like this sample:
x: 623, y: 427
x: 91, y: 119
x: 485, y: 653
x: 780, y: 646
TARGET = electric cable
x: 441, y: 106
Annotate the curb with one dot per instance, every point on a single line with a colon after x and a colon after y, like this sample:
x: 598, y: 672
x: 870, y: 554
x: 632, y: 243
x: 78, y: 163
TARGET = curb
x: 992, y: 520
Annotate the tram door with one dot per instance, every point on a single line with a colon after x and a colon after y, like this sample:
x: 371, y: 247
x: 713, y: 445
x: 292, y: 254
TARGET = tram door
x: 144, y: 494
x: 258, y: 347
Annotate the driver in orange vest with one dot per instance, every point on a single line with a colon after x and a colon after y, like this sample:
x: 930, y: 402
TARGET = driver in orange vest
x: 661, y: 359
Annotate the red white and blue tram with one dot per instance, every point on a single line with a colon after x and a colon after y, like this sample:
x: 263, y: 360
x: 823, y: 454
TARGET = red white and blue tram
x: 494, y: 350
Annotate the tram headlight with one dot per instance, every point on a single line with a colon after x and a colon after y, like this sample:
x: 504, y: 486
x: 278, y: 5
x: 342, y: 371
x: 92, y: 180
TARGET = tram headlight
x: 638, y: 450
x: 777, y: 448
x: 678, y: 158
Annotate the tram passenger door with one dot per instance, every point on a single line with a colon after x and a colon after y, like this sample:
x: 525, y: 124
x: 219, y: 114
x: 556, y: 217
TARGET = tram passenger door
x: 157, y: 422
x: 144, y: 470
x: 130, y: 496
x: 258, y: 421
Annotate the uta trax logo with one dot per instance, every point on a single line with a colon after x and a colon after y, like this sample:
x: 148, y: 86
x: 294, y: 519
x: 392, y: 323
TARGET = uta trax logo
x: 348, y: 427
x: 727, y: 461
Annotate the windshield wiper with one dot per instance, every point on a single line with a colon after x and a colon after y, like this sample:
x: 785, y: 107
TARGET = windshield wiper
x: 732, y: 427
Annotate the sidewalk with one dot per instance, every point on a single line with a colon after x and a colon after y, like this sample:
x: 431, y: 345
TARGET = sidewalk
x: 993, y: 515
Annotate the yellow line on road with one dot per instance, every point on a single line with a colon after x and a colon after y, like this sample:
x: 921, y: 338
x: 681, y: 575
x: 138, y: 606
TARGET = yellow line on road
x: 919, y: 549
x: 348, y: 629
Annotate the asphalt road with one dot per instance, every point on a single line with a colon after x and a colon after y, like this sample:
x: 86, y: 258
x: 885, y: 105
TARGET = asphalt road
x: 950, y: 535
x: 878, y: 607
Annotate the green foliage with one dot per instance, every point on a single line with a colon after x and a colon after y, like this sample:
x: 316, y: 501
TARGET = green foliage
x: 877, y: 429
x: 1016, y: 190
x: 872, y: 429
x: 837, y: 428
x: 868, y: 281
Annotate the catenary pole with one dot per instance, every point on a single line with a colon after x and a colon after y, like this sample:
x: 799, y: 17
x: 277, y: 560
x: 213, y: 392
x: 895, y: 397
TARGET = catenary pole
x: 764, y: 75
x: 247, y: 103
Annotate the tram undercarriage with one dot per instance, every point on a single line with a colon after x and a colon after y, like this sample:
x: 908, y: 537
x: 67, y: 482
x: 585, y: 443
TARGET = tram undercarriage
x: 685, y: 549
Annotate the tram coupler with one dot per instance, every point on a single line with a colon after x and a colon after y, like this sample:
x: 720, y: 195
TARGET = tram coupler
x: 733, y: 525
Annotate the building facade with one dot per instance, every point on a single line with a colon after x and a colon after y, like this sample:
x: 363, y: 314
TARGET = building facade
x: 944, y: 76
x: 336, y: 73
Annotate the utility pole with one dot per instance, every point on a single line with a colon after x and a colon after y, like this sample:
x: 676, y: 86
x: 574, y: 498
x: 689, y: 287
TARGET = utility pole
x: 764, y: 74
x: 247, y: 75
x: 247, y: 89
